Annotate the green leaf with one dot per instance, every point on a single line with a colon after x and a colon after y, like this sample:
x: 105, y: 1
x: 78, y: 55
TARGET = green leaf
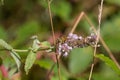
x: 5, y: 45
x: 25, y: 31
x: 45, y: 63
x: 3, y: 34
x: 60, y: 8
x: 17, y: 58
x: 109, y: 62
x: 12, y: 71
x: 110, y: 32
x: 105, y: 73
x: 30, y: 61
x: 114, y: 1
x: 45, y: 44
x: 36, y: 44
x: 80, y: 59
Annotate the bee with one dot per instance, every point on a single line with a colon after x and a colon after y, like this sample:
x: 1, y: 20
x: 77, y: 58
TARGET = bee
x: 61, y: 40
x: 65, y: 44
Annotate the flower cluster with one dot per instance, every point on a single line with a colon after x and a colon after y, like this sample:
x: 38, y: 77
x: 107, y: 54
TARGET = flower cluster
x: 65, y: 44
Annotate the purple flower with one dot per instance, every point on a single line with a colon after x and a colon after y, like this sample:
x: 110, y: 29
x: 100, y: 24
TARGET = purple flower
x: 75, y: 41
x: 93, y: 36
x: 65, y: 54
x: 80, y: 38
x: 72, y: 36
x: 64, y: 49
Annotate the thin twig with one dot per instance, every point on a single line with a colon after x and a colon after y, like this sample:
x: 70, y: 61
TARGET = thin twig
x: 58, y: 66
x: 98, y: 36
x: 77, y: 21
x: 103, y: 42
x: 17, y: 50
x: 101, y: 39
x: 109, y: 52
x: 51, y: 21
x: 50, y: 71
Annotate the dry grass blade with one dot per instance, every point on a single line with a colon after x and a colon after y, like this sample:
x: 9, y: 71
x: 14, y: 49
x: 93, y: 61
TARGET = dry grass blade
x: 82, y: 14
x: 101, y: 39
x: 51, y: 21
x: 103, y: 42
x: 98, y: 36
x: 77, y: 21
x: 109, y: 52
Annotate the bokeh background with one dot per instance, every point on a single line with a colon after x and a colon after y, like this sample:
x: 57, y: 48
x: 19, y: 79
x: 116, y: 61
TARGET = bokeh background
x: 21, y: 19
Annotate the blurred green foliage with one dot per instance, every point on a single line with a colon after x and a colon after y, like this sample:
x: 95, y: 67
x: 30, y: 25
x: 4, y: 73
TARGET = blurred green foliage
x: 109, y: 63
x: 117, y: 2
x: 26, y: 30
x: 29, y: 61
x: 3, y: 33
x: 110, y: 30
x: 59, y: 8
x: 80, y: 59
x: 21, y: 19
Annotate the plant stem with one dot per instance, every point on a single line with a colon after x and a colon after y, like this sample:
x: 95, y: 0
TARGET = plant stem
x: 98, y: 36
x: 77, y: 21
x: 92, y: 66
x: 51, y: 22
x: 58, y: 66
x: 17, y: 50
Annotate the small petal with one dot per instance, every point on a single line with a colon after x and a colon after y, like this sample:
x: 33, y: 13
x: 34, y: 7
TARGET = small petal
x: 70, y: 48
x: 60, y: 46
x: 80, y: 37
x: 70, y: 34
x: 93, y: 35
x: 65, y: 54
x: 63, y: 50
x: 65, y: 44
x: 89, y: 37
x: 75, y: 36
